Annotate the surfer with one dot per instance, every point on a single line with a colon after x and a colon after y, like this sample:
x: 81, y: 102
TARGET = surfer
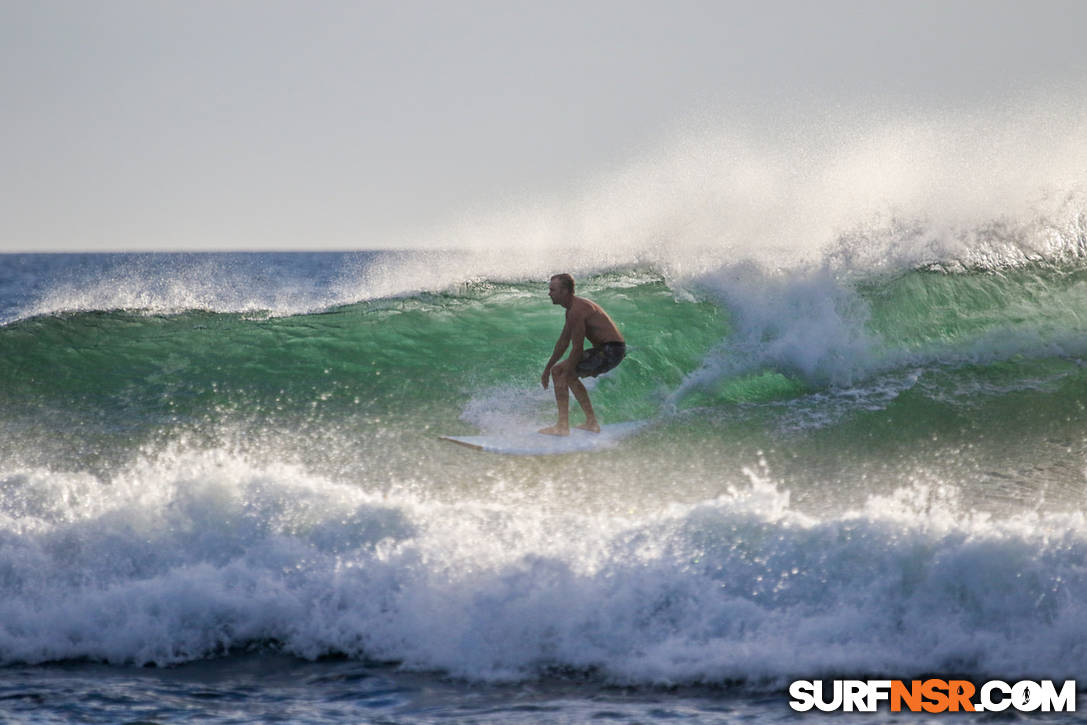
x: 584, y: 320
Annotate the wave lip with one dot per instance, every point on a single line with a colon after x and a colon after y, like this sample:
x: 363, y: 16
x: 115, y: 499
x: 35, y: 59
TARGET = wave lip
x: 274, y: 284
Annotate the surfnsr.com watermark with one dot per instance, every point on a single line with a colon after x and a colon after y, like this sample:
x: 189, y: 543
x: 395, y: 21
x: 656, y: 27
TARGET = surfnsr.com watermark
x: 932, y: 695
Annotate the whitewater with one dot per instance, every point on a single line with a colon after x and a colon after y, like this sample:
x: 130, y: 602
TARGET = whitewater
x: 861, y: 350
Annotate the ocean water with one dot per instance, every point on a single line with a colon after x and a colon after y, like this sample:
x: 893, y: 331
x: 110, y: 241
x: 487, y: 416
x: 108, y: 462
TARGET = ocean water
x: 223, y: 497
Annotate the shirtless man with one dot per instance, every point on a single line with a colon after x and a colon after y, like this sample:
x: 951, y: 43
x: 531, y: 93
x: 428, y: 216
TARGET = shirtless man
x: 584, y: 319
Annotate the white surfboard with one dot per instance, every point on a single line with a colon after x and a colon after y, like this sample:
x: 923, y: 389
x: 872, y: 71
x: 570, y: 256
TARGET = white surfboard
x: 531, y: 443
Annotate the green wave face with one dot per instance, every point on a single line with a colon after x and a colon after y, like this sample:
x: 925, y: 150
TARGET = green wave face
x: 971, y: 372
x: 1043, y: 303
x: 408, y: 363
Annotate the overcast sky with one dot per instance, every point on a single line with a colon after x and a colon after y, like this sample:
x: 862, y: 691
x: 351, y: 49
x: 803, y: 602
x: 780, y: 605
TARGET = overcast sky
x: 229, y: 124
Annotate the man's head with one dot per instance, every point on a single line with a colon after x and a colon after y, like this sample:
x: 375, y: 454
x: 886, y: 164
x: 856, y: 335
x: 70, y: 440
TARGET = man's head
x: 561, y: 289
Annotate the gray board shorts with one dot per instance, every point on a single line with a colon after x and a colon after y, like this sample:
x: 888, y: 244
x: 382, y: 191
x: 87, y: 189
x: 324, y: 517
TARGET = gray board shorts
x: 599, y: 360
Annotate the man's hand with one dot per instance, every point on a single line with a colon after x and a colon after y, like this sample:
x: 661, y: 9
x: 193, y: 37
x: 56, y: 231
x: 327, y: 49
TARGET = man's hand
x: 545, y: 377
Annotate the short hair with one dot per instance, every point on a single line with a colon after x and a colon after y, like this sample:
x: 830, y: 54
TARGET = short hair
x: 567, y: 281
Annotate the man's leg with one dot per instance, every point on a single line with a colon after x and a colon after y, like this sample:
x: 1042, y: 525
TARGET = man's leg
x: 562, y: 400
x: 582, y: 396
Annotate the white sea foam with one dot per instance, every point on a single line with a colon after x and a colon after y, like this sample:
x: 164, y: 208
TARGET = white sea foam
x: 504, y: 408
x: 186, y: 553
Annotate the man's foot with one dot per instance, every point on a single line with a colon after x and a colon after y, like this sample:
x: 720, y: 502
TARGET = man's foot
x: 590, y: 425
x: 555, y: 430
